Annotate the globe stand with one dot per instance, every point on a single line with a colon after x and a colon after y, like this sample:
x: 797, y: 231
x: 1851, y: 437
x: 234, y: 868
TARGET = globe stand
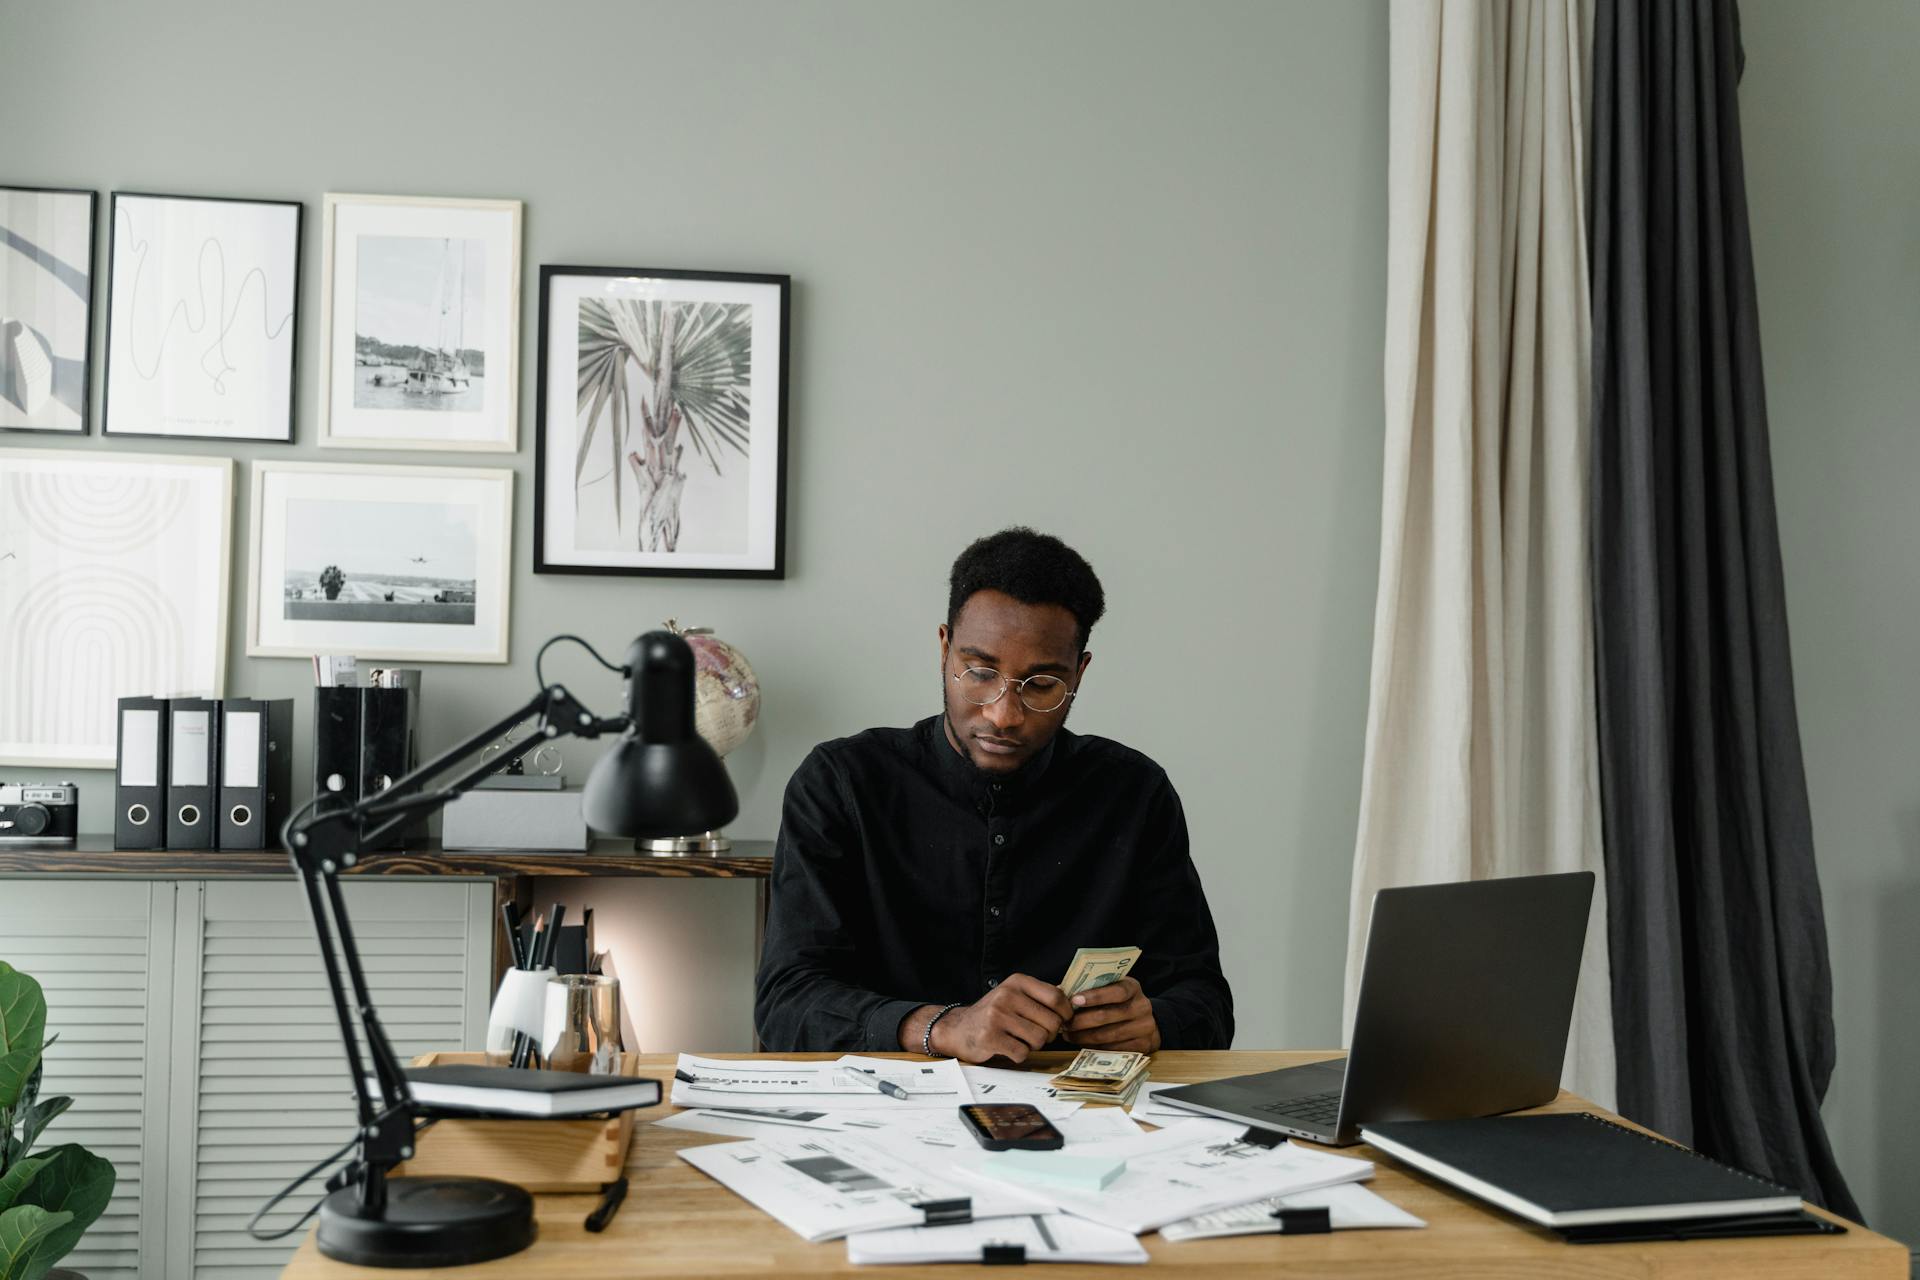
x: 706, y: 844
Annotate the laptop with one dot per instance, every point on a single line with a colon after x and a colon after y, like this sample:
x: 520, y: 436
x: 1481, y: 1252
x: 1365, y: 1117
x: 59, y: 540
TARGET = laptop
x: 1466, y: 995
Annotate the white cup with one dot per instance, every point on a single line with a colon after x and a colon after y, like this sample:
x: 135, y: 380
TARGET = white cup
x: 520, y: 1005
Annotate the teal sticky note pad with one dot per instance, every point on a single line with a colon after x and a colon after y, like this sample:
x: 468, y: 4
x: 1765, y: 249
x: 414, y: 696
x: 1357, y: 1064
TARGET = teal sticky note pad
x: 1056, y: 1168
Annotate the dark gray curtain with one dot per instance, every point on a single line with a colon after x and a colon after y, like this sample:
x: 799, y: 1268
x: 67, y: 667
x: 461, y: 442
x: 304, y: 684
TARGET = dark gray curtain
x: 1722, y: 998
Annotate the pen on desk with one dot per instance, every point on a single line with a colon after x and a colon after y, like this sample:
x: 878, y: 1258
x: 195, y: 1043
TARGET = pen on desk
x: 887, y: 1087
x: 609, y: 1203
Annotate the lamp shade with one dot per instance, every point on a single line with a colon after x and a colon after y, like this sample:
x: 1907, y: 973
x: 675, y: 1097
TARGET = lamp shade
x: 661, y: 778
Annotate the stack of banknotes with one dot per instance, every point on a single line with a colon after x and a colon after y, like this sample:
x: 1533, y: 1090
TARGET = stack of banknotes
x: 1102, y: 1075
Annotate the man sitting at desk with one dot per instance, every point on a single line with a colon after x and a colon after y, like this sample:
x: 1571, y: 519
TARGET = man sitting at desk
x: 931, y: 884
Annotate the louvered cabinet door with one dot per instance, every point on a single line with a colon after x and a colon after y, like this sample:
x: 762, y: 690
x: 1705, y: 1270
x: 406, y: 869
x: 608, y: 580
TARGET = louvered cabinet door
x: 267, y: 1083
x: 103, y: 952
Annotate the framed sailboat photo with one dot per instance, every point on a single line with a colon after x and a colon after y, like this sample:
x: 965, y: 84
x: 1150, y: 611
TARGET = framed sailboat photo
x: 420, y: 311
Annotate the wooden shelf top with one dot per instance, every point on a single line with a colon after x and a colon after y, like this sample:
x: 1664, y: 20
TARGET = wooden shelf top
x: 95, y: 855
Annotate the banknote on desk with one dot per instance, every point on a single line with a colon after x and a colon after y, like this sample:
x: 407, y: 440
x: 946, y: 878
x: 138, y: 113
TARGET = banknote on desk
x: 1102, y: 1075
x: 1098, y: 967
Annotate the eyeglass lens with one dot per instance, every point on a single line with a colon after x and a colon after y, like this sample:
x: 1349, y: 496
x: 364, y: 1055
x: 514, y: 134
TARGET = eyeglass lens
x: 983, y: 686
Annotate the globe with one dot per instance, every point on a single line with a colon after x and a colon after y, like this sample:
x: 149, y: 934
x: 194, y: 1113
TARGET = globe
x: 726, y: 696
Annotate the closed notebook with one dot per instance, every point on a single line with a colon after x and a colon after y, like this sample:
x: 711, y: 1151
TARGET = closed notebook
x: 509, y: 1091
x: 1577, y: 1170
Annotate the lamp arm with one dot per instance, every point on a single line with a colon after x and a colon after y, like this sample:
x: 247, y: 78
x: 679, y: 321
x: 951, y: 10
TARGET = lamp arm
x: 321, y: 845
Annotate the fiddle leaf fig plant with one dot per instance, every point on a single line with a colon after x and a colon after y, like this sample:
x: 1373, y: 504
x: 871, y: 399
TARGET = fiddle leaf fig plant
x: 47, y: 1201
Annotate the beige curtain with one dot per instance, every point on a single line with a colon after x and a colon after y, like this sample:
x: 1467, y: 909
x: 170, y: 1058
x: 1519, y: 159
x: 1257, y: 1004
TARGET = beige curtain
x: 1481, y: 757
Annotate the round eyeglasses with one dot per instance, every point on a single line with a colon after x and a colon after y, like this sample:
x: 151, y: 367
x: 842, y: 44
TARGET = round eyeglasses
x: 983, y: 686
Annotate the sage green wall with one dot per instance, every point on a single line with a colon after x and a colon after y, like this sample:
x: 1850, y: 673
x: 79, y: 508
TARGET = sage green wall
x: 1140, y: 242
x: 1111, y: 269
x: 1828, y: 106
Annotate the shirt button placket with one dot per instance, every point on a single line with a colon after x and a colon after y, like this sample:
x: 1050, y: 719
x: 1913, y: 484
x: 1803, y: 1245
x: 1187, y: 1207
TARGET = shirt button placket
x: 994, y: 925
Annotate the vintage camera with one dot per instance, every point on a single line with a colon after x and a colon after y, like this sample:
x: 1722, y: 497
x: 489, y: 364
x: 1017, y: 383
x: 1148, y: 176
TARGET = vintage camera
x: 39, y: 813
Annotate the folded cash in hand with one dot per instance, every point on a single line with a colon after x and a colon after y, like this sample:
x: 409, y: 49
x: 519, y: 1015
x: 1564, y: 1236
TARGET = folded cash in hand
x: 1098, y: 967
x: 1102, y: 1075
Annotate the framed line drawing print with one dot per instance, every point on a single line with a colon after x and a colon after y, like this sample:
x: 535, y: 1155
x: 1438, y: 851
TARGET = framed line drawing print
x: 202, y: 317
x: 113, y: 583
x: 420, y: 312
x: 46, y: 308
x: 662, y: 423
x: 383, y: 562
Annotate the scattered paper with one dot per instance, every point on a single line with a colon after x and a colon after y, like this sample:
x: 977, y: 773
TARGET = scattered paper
x: 1051, y: 1237
x: 1188, y: 1170
x: 773, y: 1083
x: 822, y: 1186
x: 1001, y: 1084
x: 1149, y: 1111
x: 1095, y: 1125
x: 1348, y: 1206
x: 752, y: 1122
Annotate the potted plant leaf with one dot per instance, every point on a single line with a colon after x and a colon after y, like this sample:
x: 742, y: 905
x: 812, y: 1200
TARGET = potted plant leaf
x: 48, y: 1200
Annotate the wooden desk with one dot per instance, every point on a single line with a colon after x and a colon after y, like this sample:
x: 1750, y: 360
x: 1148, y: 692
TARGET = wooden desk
x: 677, y: 1222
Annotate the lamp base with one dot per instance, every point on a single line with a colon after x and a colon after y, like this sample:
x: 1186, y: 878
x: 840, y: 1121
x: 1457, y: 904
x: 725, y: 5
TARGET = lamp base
x: 707, y: 842
x: 429, y: 1222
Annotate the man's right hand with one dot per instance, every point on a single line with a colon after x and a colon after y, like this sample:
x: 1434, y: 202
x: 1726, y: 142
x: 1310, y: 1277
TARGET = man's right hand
x: 1020, y: 1015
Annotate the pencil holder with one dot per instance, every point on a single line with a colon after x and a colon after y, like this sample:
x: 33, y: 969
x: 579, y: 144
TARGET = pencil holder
x: 519, y: 1006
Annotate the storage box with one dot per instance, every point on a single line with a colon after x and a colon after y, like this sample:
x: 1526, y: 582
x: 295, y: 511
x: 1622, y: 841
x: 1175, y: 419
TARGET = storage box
x: 540, y: 1155
x: 542, y: 821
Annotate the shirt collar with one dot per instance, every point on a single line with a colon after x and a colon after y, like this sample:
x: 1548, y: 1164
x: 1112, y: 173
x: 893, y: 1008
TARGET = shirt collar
x: 960, y: 778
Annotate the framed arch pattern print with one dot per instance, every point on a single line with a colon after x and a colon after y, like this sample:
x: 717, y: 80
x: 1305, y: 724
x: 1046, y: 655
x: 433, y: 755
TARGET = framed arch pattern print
x: 113, y: 583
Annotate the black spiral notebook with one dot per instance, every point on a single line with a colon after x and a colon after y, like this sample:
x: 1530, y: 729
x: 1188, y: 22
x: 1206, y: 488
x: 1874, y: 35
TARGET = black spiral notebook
x: 1581, y: 1174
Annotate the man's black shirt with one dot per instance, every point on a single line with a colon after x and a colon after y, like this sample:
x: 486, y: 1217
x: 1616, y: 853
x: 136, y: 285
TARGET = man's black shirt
x: 905, y: 876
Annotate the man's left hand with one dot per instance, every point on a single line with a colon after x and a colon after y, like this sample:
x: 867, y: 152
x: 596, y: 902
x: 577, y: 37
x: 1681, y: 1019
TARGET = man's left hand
x: 1116, y: 1016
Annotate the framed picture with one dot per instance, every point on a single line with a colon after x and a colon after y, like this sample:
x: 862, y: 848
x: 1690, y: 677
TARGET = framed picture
x: 663, y: 423
x: 421, y: 312
x: 113, y: 583
x: 203, y: 300
x: 382, y: 562
x: 46, y: 308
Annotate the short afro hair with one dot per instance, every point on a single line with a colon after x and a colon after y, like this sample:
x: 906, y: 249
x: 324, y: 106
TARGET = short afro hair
x: 1033, y: 568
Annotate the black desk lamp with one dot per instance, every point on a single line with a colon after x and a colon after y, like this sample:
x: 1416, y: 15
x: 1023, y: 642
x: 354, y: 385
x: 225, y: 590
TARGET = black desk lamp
x: 660, y: 779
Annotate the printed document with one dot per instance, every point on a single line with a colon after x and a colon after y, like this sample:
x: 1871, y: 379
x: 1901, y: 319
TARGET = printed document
x: 1001, y: 1084
x: 823, y: 1185
x: 845, y: 1085
x: 1049, y: 1237
x: 1349, y: 1206
x: 1186, y: 1171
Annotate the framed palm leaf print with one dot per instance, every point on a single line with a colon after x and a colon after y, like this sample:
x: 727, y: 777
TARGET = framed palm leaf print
x: 662, y: 422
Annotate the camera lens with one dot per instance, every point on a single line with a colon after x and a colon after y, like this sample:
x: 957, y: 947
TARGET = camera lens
x: 31, y: 819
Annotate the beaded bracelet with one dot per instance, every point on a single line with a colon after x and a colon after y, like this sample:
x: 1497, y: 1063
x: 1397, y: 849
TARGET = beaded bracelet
x: 926, y: 1038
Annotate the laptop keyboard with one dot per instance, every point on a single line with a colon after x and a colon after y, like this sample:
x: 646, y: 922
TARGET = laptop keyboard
x: 1314, y: 1108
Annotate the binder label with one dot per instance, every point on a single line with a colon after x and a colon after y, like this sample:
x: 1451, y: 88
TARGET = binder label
x: 190, y: 748
x: 140, y: 748
x: 241, y: 743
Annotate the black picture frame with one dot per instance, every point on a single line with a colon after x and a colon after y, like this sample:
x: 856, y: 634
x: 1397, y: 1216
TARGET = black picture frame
x: 92, y: 295
x: 708, y: 442
x: 292, y: 323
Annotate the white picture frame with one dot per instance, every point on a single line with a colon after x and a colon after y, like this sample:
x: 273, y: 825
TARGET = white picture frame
x: 420, y: 324
x: 46, y: 309
x: 113, y: 583
x: 412, y: 546
x: 203, y: 317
